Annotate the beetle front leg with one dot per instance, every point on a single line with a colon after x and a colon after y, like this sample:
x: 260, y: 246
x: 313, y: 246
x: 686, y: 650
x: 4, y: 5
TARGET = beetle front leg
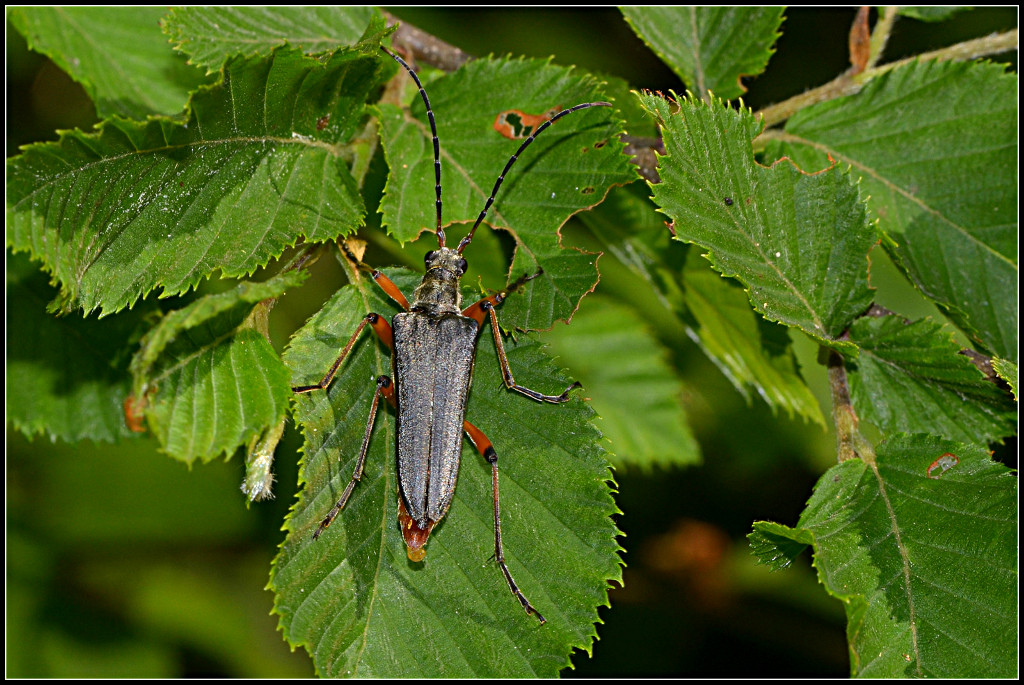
x: 484, y: 447
x: 384, y: 387
x: 379, y: 278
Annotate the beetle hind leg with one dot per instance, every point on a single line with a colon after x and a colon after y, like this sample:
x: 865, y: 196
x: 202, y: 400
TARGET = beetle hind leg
x: 484, y: 447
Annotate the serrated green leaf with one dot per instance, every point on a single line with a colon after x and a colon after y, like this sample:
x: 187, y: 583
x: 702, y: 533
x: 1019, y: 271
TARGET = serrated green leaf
x: 134, y: 207
x: 751, y: 352
x: 569, y: 167
x: 798, y: 241
x: 1008, y: 372
x: 207, y: 383
x: 208, y: 35
x: 67, y: 376
x: 632, y: 388
x: 118, y: 54
x: 201, y: 323
x: 935, y: 144
x: 709, y: 48
x: 352, y: 598
x: 924, y: 560
x: 219, y: 399
x: 912, y: 378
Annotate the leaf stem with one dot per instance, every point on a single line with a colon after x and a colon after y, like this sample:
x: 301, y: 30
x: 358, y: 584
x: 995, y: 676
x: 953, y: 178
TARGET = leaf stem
x: 425, y: 47
x: 307, y: 255
x: 880, y: 36
x: 848, y: 84
x: 850, y: 444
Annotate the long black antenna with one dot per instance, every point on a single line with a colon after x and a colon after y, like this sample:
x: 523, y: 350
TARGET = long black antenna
x: 497, y: 184
x: 437, y: 144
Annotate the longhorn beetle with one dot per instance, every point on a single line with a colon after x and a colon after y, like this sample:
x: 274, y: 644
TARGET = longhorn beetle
x: 434, y: 345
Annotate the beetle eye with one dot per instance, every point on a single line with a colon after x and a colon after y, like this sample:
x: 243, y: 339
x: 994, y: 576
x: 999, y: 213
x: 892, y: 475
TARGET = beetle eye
x: 463, y: 265
x: 427, y: 258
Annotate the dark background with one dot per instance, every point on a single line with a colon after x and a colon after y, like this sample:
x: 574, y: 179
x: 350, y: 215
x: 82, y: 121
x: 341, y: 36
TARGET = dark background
x: 122, y: 562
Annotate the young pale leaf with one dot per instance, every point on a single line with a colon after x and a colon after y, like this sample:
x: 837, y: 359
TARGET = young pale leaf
x: 633, y: 389
x: 569, y: 167
x: 66, y: 377
x: 134, y: 207
x: 921, y: 548
x: 208, y: 35
x: 208, y: 383
x: 910, y: 378
x: 935, y: 144
x: 798, y: 241
x: 258, y: 483
x: 117, y: 53
x: 354, y: 600
x: 709, y: 48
